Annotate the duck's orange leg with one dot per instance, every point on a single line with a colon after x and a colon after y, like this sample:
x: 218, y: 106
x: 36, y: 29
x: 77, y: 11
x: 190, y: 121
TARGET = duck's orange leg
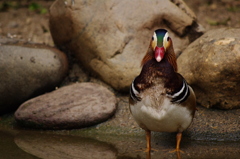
x: 178, y: 141
x: 178, y: 138
x: 148, y: 140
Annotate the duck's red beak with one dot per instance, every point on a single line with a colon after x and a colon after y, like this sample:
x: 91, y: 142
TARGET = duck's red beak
x: 159, y: 53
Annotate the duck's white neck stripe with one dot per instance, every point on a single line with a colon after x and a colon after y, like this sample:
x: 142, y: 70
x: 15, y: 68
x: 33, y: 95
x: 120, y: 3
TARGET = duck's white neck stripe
x: 181, y: 95
x: 179, y: 92
x: 185, y: 95
x: 134, y: 93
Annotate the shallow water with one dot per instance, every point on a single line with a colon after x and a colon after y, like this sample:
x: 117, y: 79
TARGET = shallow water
x: 29, y: 144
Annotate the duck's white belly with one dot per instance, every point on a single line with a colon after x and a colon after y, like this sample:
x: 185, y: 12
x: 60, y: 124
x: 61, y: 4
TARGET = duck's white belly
x: 166, y: 117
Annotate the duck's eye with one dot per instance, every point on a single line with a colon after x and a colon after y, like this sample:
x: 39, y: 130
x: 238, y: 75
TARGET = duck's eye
x: 168, y: 38
x: 152, y: 38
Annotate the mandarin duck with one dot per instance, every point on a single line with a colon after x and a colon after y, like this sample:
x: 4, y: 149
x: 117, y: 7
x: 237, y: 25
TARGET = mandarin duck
x: 160, y: 98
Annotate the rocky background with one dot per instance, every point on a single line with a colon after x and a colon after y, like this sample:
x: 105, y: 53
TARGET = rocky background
x: 68, y: 64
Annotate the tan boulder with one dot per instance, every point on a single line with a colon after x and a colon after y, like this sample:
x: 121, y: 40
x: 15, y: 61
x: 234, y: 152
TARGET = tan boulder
x: 211, y: 64
x: 111, y: 37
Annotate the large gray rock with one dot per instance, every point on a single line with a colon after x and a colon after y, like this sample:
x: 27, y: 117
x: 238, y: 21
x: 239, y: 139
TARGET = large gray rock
x: 211, y: 64
x: 111, y: 37
x: 27, y: 70
x: 74, y: 106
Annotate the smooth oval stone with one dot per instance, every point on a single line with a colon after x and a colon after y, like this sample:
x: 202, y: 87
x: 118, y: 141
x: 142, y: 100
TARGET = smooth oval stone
x: 28, y: 70
x: 74, y: 106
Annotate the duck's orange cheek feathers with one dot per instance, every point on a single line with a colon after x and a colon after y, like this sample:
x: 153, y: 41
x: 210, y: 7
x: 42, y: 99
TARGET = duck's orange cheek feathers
x: 159, y: 53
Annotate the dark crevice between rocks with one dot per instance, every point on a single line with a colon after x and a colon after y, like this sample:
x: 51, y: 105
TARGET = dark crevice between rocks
x: 11, y: 109
x: 16, y: 103
x: 193, y: 31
